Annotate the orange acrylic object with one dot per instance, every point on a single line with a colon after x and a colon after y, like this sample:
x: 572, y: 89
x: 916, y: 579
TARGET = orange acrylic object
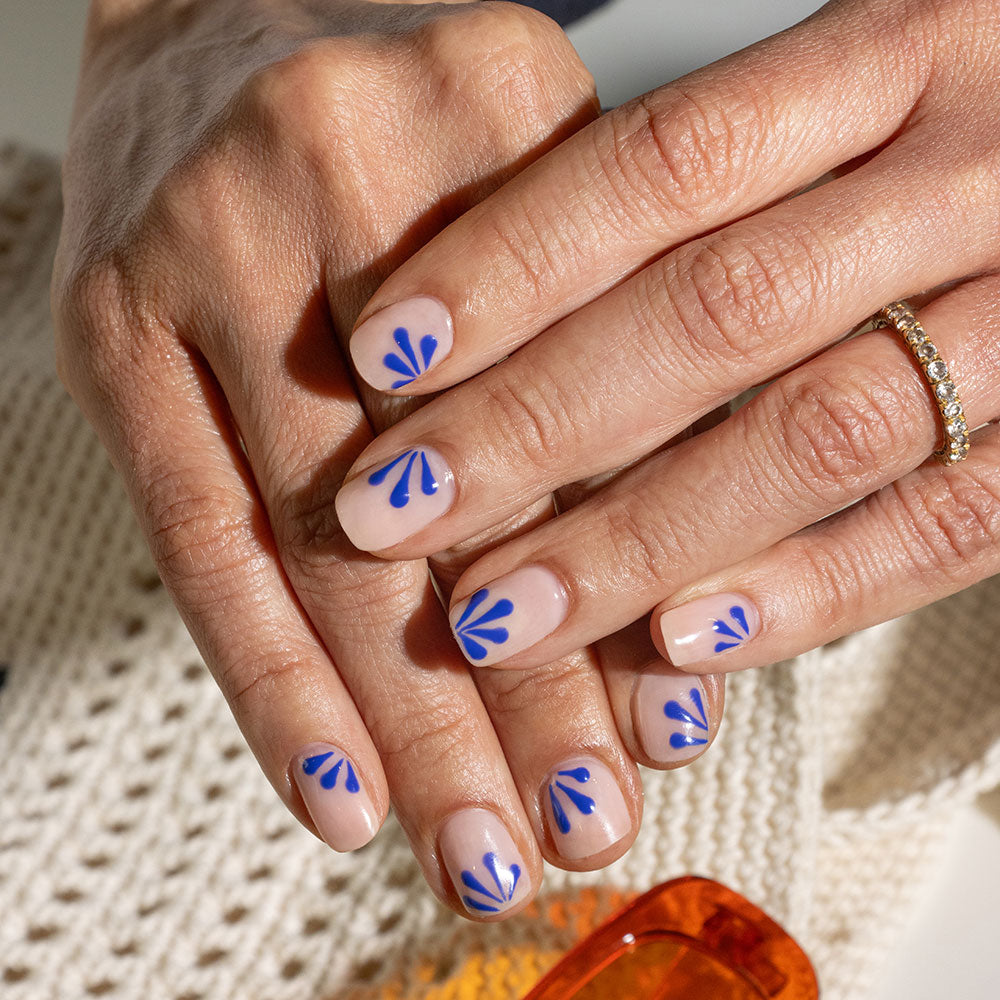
x: 689, y: 939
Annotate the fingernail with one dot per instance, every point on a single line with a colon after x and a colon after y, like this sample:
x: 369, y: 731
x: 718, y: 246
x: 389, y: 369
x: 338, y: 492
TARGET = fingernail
x: 510, y: 614
x: 401, y: 342
x: 337, y: 801
x: 708, y: 626
x: 584, y: 808
x: 396, y: 499
x: 483, y: 862
x: 670, y: 714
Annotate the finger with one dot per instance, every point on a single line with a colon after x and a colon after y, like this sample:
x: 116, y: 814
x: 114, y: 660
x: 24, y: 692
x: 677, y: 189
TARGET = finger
x: 208, y: 533
x: 931, y: 533
x: 825, y: 435
x: 689, y: 157
x: 613, y: 382
x: 666, y: 717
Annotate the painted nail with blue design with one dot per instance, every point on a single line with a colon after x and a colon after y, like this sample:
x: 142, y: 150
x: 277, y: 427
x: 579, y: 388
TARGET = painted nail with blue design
x: 395, y: 499
x: 509, y: 614
x: 671, y: 714
x: 708, y: 626
x: 483, y: 863
x: 400, y: 343
x: 332, y: 790
x: 584, y: 808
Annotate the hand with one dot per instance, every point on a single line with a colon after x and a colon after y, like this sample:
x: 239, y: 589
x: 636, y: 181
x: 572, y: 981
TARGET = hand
x: 705, y: 248
x: 240, y: 177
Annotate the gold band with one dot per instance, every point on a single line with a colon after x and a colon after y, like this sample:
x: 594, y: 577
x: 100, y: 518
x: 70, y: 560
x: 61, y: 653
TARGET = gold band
x: 900, y: 317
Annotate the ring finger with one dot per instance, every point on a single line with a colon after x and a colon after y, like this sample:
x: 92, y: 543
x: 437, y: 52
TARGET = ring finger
x: 837, y: 428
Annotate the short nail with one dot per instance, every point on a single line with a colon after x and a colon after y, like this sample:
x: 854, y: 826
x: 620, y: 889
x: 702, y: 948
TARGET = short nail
x: 584, y: 808
x: 395, y: 499
x: 401, y: 342
x: 483, y: 862
x: 670, y: 713
x: 510, y: 614
x: 335, y: 797
x: 708, y: 626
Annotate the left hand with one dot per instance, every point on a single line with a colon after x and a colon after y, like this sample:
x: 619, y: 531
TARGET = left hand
x: 728, y: 533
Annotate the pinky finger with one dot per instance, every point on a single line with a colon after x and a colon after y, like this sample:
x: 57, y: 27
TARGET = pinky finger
x: 208, y: 533
x: 930, y: 534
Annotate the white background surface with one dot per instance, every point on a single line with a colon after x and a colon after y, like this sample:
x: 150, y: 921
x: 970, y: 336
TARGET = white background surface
x: 952, y: 948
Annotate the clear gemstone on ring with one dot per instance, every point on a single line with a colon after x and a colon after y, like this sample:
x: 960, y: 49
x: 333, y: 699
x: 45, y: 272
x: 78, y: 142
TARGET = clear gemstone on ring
x: 953, y: 410
x: 956, y: 428
x: 925, y: 351
x: 937, y: 370
x: 915, y: 336
x: 945, y: 391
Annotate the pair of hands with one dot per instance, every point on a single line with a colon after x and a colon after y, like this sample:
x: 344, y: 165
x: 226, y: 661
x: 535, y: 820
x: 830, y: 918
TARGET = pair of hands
x: 243, y: 178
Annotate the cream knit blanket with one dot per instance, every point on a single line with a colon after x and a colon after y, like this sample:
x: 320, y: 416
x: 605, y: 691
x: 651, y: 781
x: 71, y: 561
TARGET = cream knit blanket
x: 143, y: 856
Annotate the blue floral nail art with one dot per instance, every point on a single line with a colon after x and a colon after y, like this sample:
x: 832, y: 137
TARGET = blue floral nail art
x: 470, y: 630
x: 406, y: 363
x: 584, y: 803
x: 504, y: 879
x: 733, y: 638
x: 400, y: 495
x: 674, y: 710
x: 329, y: 780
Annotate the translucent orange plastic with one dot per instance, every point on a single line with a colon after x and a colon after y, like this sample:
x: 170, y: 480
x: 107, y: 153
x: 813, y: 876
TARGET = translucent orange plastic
x: 689, y: 939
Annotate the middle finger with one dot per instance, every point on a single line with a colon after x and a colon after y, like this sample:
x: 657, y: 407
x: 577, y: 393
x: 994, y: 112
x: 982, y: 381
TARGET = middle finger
x: 620, y: 377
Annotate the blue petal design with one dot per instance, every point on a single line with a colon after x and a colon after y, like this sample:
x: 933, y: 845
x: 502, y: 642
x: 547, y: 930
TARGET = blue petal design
x: 352, y: 784
x: 584, y: 804
x: 400, y: 495
x: 562, y: 820
x: 505, y: 879
x: 697, y: 719
x: 406, y: 363
x: 312, y: 764
x: 739, y: 616
x: 428, y: 345
x: 469, y: 629
x: 329, y: 780
x: 679, y: 741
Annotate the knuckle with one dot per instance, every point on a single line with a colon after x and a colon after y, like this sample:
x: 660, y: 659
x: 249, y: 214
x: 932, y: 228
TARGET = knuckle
x: 196, y: 539
x: 678, y: 151
x: 516, y: 694
x: 637, y: 534
x: 729, y: 293
x: 953, y: 520
x: 832, y: 581
x: 830, y: 434
x: 533, y: 422
x: 251, y: 686
x: 433, y: 729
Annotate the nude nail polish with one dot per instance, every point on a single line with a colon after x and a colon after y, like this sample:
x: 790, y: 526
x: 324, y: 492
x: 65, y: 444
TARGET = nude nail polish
x: 395, y: 499
x: 584, y: 808
x: 670, y: 715
x: 335, y: 797
x: 401, y: 342
x: 510, y: 614
x: 708, y: 626
x: 483, y: 862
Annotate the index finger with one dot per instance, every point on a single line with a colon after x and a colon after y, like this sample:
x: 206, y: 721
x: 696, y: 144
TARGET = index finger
x: 686, y: 158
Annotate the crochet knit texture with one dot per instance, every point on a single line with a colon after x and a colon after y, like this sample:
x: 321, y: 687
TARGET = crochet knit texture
x: 144, y: 856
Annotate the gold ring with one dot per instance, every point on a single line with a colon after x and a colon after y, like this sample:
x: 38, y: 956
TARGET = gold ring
x: 900, y: 317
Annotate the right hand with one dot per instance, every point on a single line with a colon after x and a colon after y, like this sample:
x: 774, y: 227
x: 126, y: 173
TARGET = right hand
x: 241, y: 176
